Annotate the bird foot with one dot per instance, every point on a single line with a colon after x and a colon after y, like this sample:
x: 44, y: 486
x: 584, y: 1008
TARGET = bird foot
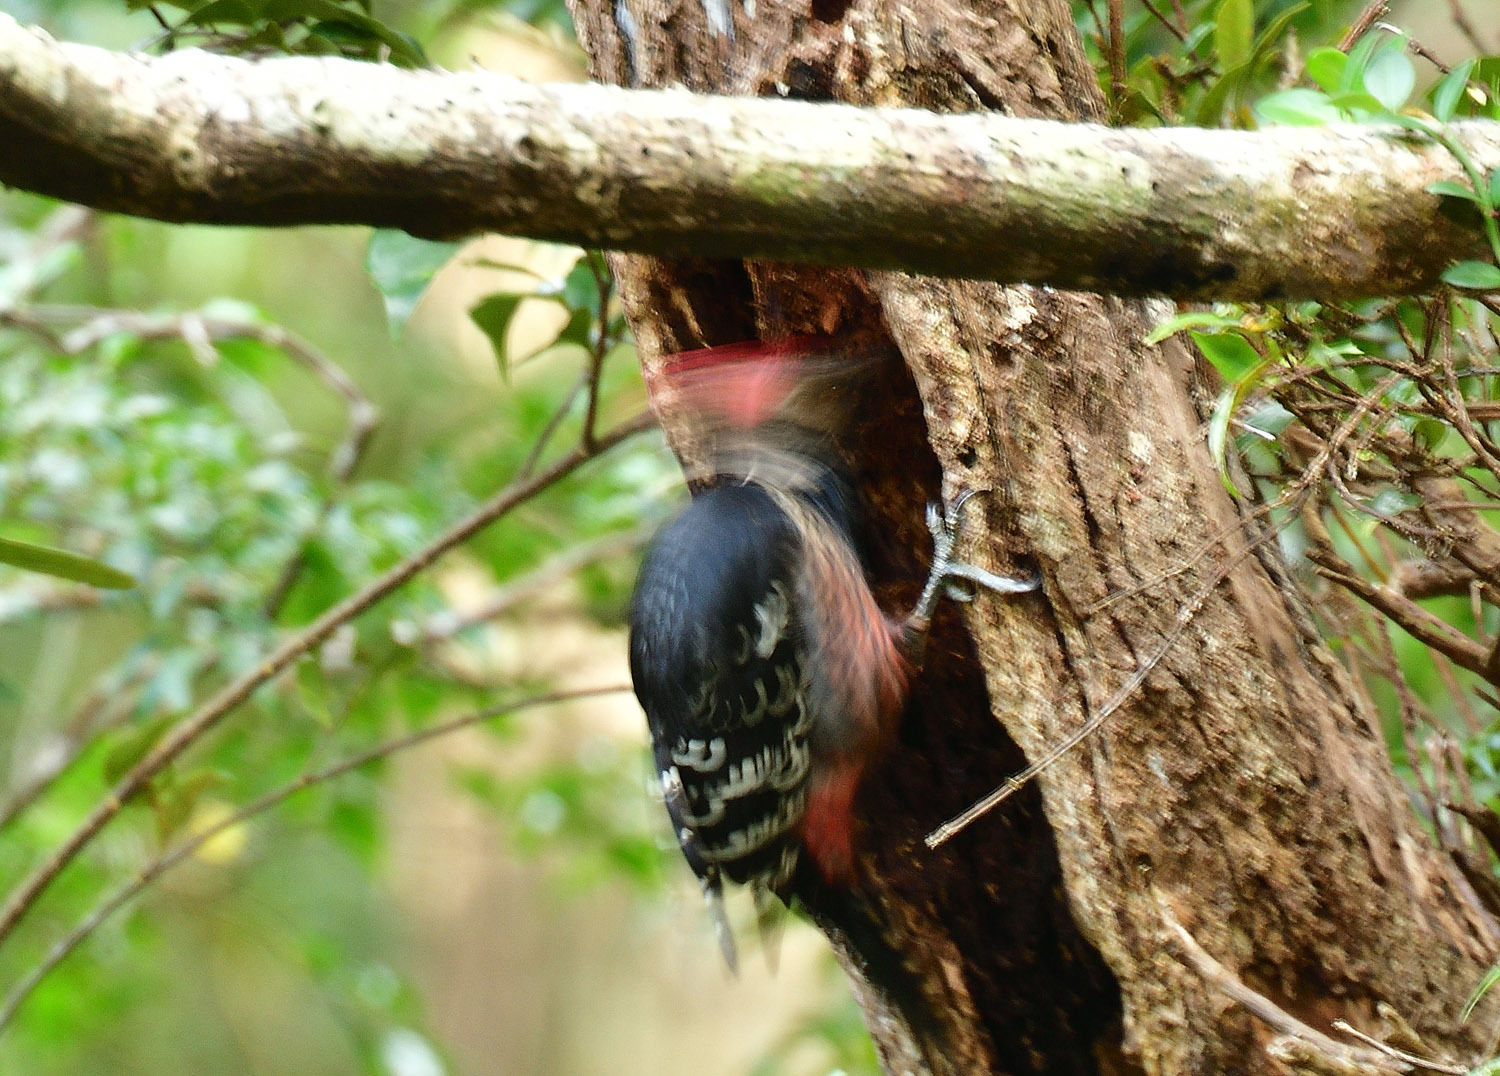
x: 951, y: 578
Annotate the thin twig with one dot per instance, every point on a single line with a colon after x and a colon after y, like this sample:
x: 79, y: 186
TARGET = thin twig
x: 554, y: 423
x: 1428, y: 629
x: 600, y: 345
x: 1182, y: 19
x: 1399, y: 1055
x: 1185, y: 948
x: 195, y: 725
x: 1156, y: 13
x: 1374, y: 11
x: 171, y: 857
x: 1465, y: 27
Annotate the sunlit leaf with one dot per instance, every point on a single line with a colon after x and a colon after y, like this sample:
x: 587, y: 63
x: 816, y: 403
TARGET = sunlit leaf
x: 1228, y: 403
x: 1230, y: 353
x: 1447, y: 188
x: 1297, y: 107
x: 1191, y: 319
x: 1326, y: 67
x: 1390, y: 78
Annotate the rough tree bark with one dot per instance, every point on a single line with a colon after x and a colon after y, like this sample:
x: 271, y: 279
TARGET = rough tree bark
x: 1228, y: 865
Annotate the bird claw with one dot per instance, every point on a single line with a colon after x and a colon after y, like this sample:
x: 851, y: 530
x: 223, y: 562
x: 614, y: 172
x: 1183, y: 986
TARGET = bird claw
x: 954, y: 579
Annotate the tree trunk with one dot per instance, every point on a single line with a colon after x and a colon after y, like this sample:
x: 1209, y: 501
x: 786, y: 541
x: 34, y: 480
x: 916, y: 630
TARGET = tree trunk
x: 1228, y: 865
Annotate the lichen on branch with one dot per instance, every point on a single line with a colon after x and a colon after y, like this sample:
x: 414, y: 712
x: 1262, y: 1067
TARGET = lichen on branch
x: 1331, y: 212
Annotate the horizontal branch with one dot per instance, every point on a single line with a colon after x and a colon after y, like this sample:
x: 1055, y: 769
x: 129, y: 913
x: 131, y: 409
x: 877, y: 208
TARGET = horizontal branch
x: 1329, y: 212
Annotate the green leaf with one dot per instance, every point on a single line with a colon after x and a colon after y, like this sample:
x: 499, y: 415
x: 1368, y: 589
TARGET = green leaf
x: 581, y: 288
x: 1297, y: 107
x: 1447, y: 188
x: 63, y: 565
x: 493, y: 315
x: 1275, y: 29
x: 1326, y: 68
x: 1359, y: 101
x: 1477, y: 276
x: 1495, y: 187
x: 1224, y: 409
x: 1486, y: 983
x: 222, y: 13
x: 1430, y: 432
x: 1391, y: 78
x: 1230, y: 353
x: 1447, y: 93
x: 1392, y: 502
x: 1353, y: 78
x: 1191, y: 319
x: 1234, y: 32
x: 402, y: 266
x: 1211, y: 109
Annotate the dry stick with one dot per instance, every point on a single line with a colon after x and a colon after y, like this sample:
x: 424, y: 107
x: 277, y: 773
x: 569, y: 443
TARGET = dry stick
x: 1416, y: 621
x: 554, y: 423
x: 1185, y: 948
x: 191, y: 728
x: 171, y: 857
x: 1399, y: 1055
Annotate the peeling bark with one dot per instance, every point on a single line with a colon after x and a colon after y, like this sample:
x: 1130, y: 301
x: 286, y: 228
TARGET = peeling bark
x: 1339, y: 211
x: 1235, y: 830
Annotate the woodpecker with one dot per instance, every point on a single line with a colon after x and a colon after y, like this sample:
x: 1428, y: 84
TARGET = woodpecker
x: 769, y: 675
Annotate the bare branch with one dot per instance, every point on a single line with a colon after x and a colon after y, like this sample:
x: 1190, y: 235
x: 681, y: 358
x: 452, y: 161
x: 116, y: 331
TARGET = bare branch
x: 1335, y: 211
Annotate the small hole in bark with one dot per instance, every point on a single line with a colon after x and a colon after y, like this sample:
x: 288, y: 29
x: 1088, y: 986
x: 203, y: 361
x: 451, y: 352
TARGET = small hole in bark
x: 967, y: 456
x: 830, y: 10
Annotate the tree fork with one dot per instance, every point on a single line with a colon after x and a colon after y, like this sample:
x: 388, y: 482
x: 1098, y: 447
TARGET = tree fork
x: 1235, y: 831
